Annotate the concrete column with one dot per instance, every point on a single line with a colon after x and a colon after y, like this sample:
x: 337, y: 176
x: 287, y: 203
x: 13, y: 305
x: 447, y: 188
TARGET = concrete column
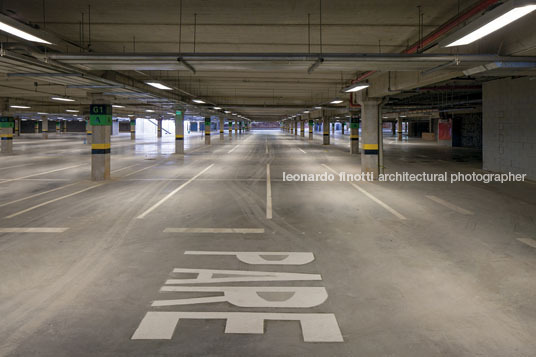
x: 311, y: 127
x: 230, y: 125
x: 296, y: 127
x: 393, y: 127
x: 302, y: 128
x: 89, y: 131
x: 179, y: 132
x: 65, y: 126
x: 132, y: 129
x: 159, y: 128
x: 326, y: 131
x: 399, y: 129
x: 371, y: 126
x: 207, y: 131
x: 100, y: 118
x: 6, y: 134
x: 236, y: 127
x: 342, y: 127
x: 17, y: 126
x: 354, y: 135
x: 36, y: 127
x: 333, y: 128
x: 58, y: 127
x: 44, y: 127
x: 240, y: 126
x: 222, y: 126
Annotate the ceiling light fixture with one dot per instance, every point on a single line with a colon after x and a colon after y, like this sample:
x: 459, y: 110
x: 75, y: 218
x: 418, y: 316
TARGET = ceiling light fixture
x: 19, y: 106
x: 158, y: 85
x: 63, y: 99
x: 336, y: 101
x: 355, y: 87
x: 217, y: 108
x: 117, y: 106
x: 198, y: 101
x: 41, y: 113
x: 71, y: 110
x: 490, y: 22
x: 21, y: 34
x: 149, y: 110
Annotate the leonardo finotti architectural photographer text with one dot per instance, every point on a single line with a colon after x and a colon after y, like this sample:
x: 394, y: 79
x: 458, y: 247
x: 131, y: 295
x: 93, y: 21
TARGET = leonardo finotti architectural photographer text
x: 407, y: 177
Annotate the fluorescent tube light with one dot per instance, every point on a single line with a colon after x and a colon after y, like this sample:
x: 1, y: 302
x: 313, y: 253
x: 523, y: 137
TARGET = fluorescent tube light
x: 198, y: 101
x: 19, y: 106
x: 497, y: 23
x: 227, y: 112
x: 306, y: 112
x: 158, y: 85
x: 40, y: 113
x: 336, y: 101
x: 149, y: 111
x: 356, y: 87
x: 217, y: 108
x: 71, y: 111
x: 62, y: 99
x: 19, y: 33
x: 117, y: 106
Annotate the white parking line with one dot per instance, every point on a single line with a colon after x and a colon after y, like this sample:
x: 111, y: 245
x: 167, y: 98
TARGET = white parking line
x: 233, y: 149
x: 51, y: 201
x: 12, y: 167
x: 124, y: 168
x: 266, y: 142
x: 169, y: 195
x: 528, y: 241
x: 449, y: 205
x: 268, y: 193
x: 41, y: 173
x: 38, y: 194
x: 372, y: 197
x: 215, y: 230
x: 302, y: 151
x: 33, y: 230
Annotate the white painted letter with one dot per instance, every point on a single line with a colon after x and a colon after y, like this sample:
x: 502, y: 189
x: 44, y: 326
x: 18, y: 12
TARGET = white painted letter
x: 208, y: 276
x: 264, y: 258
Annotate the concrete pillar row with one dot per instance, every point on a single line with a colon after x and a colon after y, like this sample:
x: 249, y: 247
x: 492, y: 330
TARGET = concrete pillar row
x: 179, y: 132
x: 7, y: 124
x: 100, y: 118
x: 207, y: 130
x: 44, y: 127
x: 325, y: 127
x: 354, y: 135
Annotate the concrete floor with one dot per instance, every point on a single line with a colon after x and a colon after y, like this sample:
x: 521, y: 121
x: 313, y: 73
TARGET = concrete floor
x: 449, y: 280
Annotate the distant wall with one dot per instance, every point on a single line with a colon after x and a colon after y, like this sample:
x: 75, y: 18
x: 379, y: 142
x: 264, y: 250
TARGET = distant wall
x: 509, y: 126
x: 467, y: 130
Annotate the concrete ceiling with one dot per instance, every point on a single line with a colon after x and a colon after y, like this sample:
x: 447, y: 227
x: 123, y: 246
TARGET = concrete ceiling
x: 145, y: 38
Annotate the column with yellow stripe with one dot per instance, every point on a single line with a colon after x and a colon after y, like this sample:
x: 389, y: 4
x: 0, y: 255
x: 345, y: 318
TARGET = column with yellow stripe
x: 302, y: 126
x: 311, y: 127
x: 36, y: 127
x: 58, y: 126
x: 6, y: 134
x: 100, y: 119
x: 230, y: 125
x: 325, y: 128
x: 222, y: 125
x: 207, y: 130
x: 44, y: 126
x: 179, y: 131
x: 296, y: 127
x: 17, y: 126
x: 65, y: 126
x: 370, y: 116
x: 354, y: 135
x: 132, y: 129
x: 89, y: 131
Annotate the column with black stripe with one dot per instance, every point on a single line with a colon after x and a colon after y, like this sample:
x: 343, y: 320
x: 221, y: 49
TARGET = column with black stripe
x: 100, y: 119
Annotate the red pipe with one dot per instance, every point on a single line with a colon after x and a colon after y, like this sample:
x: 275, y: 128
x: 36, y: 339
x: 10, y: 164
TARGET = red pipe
x: 434, y: 35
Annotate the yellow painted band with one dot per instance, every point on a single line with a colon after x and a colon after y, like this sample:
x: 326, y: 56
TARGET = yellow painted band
x: 354, y: 136
x: 179, y: 136
x: 6, y: 135
x: 100, y: 146
x: 89, y: 132
x: 370, y: 146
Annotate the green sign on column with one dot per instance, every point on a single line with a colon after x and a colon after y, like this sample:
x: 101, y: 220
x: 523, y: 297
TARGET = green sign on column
x: 7, y: 122
x: 100, y: 114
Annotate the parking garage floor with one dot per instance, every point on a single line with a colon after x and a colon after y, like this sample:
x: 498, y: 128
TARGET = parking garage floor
x: 410, y: 269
